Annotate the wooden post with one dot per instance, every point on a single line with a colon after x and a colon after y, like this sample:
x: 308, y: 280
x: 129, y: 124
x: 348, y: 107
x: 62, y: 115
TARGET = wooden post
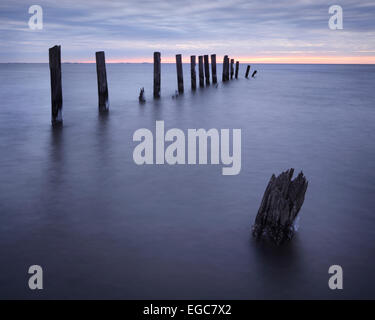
x: 156, y: 74
x: 207, y: 70
x: 213, y: 68
x: 237, y: 67
x: 224, y: 68
x: 201, y: 76
x: 180, y: 76
x: 280, y: 205
x: 56, y: 88
x: 227, y: 70
x: 193, y: 74
x: 141, y: 97
x: 231, y: 68
x: 222, y: 76
x: 254, y: 73
x: 247, y: 71
x: 102, y: 81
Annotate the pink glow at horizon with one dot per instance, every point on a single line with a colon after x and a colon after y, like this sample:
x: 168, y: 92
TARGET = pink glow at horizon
x: 257, y: 59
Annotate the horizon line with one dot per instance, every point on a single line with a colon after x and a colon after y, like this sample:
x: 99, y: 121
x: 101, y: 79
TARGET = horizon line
x: 241, y: 62
x: 250, y: 60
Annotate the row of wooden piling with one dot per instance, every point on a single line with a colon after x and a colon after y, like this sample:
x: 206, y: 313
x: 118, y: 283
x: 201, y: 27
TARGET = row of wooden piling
x: 56, y: 87
x: 203, y: 70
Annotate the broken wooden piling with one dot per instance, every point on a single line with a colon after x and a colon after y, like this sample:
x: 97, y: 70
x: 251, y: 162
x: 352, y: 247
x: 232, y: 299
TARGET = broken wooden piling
x: 223, y: 73
x: 56, y: 87
x: 207, y: 69
x: 180, y: 76
x: 156, y: 74
x: 225, y: 68
x: 247, y: 71
x: 231, y: 68
x: 213, y: 68
x: 102, y: 81
x: 254, y: 73
x: 192, y: 73
x: 280, y: 205
x: 237, y: 68
x: 201, y: 75
x: 141, y: 97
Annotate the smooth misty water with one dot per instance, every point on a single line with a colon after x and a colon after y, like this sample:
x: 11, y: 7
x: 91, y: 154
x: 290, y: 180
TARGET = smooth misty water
x: 74, y: 202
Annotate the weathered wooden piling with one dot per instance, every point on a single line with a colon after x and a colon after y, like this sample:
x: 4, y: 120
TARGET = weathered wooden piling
x: 102, y: 81
x: 207, y: 69
x: 156, y: 74
x: 213, y: 68
x: 254, y: 73
x: 56, y: 87
x: 280, y: 205
x: 192, y: 73
x: 247, y: 71
x: 223, y: 72
x: 237, y: 68
x: 231, y: 68
x: 201, y: 75
x: 180, y: 76
x: 225, y: 67
x: 141, y: 97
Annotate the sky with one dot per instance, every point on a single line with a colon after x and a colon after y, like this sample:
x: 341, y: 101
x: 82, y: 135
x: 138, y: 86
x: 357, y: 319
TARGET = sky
x: 257, y: 31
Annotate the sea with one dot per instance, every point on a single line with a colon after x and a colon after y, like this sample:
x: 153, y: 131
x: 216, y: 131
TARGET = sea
x: 73, y: 201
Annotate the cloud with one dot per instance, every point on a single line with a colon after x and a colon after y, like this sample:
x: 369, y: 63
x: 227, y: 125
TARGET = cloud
x: 134, y: 29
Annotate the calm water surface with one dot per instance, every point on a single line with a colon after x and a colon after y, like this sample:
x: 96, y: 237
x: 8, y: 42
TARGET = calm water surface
x: 74, y: 202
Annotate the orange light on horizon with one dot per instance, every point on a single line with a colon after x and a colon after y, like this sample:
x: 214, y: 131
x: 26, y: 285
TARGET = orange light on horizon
x: 312, y: 59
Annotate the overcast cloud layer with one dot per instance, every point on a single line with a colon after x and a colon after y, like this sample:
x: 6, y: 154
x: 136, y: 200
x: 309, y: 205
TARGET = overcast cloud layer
x: 131, y: 30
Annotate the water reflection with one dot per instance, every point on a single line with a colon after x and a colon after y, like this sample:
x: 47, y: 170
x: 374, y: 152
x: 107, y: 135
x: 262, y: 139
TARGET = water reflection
x: 102, y: 142
x: 284, y: 265
x: 56, y: 159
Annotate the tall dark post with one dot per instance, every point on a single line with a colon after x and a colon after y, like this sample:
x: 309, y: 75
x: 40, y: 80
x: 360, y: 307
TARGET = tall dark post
x: 156, y: 74
x: 201, y: 76
x: 224, y: 61
x: 180, y: 76
x: 237, y: 67
x: 207, y: 69
x: 213, y: 68
x: 231, y: 68
x: 192, y: 73
x: 56, y: 88
x: 247, y: 71
x: 102, y: 81
x: 227, y: 69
